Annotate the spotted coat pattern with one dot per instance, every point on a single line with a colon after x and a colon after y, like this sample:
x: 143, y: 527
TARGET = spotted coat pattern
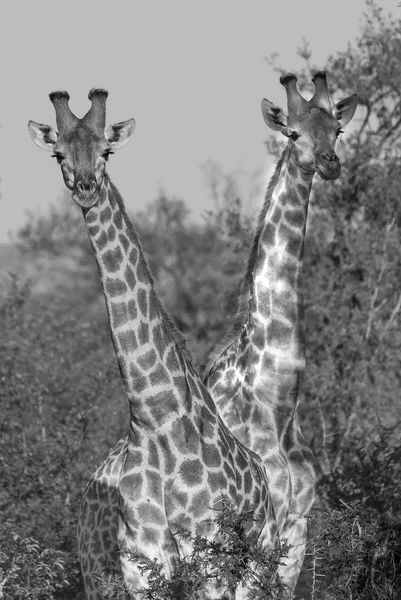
x: 255, y: 379
x: 179, y: 457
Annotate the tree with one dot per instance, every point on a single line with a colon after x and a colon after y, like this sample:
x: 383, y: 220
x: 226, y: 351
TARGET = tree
x: 196, y: 266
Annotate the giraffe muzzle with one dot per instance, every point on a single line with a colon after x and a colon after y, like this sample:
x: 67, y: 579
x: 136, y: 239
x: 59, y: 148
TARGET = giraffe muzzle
x: 328, y: 166
x: 86, y: 195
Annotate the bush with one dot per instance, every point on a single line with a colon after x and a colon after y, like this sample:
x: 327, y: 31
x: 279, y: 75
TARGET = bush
x: 31, y: 572
x: 356, y: 555
x: 57, y: 376
x: 369, y: 475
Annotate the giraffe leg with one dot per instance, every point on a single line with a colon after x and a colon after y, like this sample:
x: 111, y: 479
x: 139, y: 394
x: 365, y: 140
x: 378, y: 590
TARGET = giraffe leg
x: 97, y: 540
x: 296, y: 534
x: 97, y: 523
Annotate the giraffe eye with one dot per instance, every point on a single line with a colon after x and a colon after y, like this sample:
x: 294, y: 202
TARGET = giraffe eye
x: 107, y: 153
x: 59, y: 157
x: 294, y: 136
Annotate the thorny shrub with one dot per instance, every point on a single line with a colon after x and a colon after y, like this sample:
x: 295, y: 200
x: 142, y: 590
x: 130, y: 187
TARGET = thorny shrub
x: 356, y: 555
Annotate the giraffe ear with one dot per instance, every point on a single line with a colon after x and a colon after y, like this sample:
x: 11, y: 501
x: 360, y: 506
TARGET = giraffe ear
x: 120, y: 134
x: 344, y: 110
x: 274, y: 116
x: 44, y: 136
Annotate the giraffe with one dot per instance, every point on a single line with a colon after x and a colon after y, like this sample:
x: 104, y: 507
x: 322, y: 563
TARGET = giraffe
x: 178, y: 458
x: 255, y: 375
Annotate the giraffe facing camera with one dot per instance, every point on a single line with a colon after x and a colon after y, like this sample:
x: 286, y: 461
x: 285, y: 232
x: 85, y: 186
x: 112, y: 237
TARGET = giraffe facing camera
x: 82, y: 146
x: 169, y: 473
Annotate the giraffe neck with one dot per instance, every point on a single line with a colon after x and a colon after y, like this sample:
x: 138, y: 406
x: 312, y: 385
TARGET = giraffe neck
x: 276, y: 263
x: 145, y: 340
x: 269, y: 327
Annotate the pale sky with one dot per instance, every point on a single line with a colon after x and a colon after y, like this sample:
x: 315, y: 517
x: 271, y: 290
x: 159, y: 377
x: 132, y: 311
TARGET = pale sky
x: 192, y: 74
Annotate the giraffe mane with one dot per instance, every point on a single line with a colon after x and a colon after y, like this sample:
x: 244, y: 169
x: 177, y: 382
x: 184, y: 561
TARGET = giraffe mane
x: 178, y: 337
x: 246, y: 288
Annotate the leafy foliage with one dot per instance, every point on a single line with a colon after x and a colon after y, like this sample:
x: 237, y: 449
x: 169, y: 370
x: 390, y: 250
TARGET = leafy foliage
x: 56, y: 382
x: 370, y: 475
x: 29, y: 572
x: 177, y: 258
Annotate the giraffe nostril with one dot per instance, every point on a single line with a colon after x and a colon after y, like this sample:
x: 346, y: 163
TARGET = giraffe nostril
x: 330, y: 157
x: 328, y: 165
x: 89, y: 187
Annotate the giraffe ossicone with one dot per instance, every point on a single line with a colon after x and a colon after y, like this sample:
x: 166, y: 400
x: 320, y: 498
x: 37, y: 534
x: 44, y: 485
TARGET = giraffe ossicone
x: 255, y: 374
x: 178, y: 458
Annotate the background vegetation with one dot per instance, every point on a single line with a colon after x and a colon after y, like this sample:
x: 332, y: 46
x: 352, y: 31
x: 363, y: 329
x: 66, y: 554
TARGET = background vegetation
x: 61, y: 401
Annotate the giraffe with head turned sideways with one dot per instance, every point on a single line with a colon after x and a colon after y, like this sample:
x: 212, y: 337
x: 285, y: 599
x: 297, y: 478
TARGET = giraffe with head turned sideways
x: 255, y: 375
x: 179, y: 458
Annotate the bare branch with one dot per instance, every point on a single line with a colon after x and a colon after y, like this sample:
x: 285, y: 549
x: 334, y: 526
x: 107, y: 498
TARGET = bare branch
x: 383, y: 266
x: 391, y: 318
x: 325, y: 462
x: 365, y: 122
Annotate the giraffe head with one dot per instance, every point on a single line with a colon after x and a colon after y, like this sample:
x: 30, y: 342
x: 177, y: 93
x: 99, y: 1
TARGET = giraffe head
x: 313, y: 126
x: 82, y: 146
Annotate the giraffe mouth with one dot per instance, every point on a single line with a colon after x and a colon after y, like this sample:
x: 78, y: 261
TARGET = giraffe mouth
x: 329, y: 171
x: 328, y: 165
x: 85, y: 199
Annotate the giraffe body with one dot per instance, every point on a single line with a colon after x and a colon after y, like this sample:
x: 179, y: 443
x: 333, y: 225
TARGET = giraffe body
x: 178, y: 458
x: 255, y: 381
x: 254, y: 376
